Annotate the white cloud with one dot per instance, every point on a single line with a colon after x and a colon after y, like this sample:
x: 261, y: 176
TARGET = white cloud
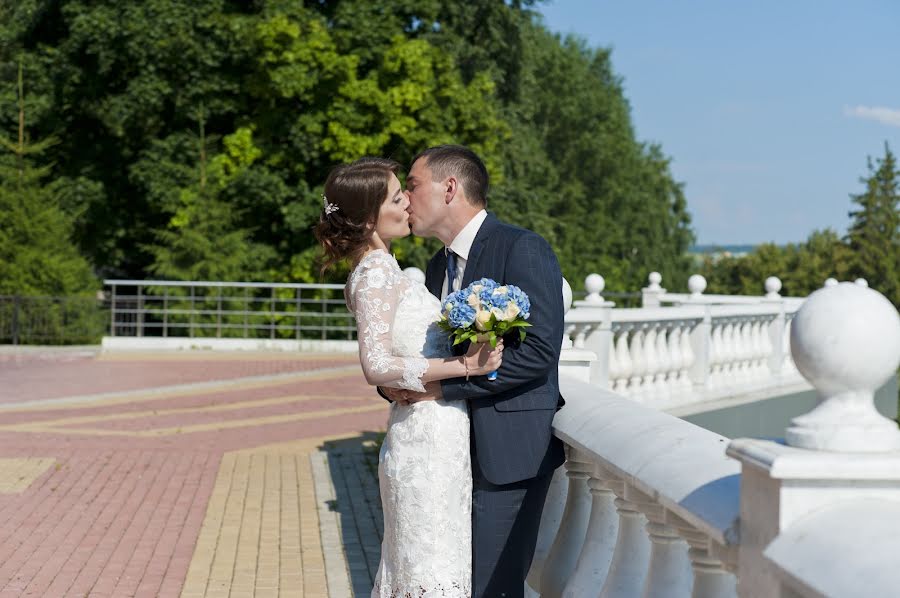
x: 886, y: 116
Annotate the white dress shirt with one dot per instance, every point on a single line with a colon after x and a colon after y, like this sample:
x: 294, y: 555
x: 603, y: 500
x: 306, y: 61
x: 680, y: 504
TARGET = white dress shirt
x: 461, y: 245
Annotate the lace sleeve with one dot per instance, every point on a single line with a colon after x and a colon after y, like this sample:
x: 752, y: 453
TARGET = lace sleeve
x: 374, y: 302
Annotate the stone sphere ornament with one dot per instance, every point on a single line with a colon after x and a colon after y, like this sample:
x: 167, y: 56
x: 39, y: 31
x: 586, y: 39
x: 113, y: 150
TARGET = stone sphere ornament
x: 414, y: 274
x: 696, y: 284
x: 773, y: 287
x: 846, y: 341
x: 594, y: 285
x: 567, y: 295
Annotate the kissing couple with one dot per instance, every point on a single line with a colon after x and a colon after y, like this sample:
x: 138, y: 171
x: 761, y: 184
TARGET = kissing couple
x: 466, y: 463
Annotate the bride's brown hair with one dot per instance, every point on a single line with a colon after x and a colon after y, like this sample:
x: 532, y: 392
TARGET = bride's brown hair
x: 357, y: 191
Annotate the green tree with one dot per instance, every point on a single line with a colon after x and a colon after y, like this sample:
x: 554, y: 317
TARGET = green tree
x: 37, y: 256
x: 874, y: 234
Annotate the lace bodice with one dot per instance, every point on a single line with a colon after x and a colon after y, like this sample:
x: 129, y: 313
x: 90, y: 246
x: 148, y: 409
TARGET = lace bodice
x: 395, y: 320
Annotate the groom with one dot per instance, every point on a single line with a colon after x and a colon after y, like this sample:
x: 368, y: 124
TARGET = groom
x: 514, y: 451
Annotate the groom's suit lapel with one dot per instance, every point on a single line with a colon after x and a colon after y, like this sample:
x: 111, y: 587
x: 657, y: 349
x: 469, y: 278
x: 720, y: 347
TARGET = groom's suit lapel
x: 487, y: 228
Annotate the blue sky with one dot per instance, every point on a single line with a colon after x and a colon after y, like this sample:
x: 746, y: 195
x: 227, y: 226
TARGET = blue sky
x: 768, y: 109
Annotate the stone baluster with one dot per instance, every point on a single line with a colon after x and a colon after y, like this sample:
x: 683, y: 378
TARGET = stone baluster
x: 631, y: 555
x: 757, y: 367
x: 664, y: 358
x: 623, y: 361
x: 599, y: 542
x: 687, y: 358
x: 716, y: 355
x: 651, y: 366
x: 676, y: 360
x: 563, y: 555
x: 711, y: 578
x: 551, y: 517
x: 638, y: 362
x: 650, y: 295
x: 669, y: 569
x: 748, y: 356
x: 728, y: 354
x: 788, y: 366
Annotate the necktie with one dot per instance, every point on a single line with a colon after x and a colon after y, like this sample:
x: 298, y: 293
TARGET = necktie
x: 451, y: 270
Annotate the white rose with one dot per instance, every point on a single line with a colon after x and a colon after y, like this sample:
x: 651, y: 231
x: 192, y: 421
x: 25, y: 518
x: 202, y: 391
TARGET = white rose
x: 512, y: 310
x: 482, y: 318
x: 500, y: 291
x: 473, y: 300
x: 499, y: 314
x: 477, y: 288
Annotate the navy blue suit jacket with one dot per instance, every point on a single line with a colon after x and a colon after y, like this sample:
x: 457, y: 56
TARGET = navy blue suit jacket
x: 512, y: 416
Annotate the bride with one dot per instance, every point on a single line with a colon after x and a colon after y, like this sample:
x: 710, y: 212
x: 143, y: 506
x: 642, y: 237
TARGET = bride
x: 424, y: 467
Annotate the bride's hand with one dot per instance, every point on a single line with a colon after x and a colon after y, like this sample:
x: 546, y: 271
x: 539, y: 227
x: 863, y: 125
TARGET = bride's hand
x: 408, y: 397
x: 481, y: 359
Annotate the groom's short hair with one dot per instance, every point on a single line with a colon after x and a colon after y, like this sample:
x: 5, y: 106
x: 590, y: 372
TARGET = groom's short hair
x: 464, y: 164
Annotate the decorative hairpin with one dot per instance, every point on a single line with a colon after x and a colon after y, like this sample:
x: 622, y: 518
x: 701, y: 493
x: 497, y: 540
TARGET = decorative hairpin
x: 329, y: 207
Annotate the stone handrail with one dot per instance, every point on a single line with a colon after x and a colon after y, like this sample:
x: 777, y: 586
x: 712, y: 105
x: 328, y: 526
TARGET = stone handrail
x: 650, y: 505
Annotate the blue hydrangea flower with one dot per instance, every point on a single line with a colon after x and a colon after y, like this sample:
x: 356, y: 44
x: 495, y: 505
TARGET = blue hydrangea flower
x: 461, y: 316
x: 516, y: 294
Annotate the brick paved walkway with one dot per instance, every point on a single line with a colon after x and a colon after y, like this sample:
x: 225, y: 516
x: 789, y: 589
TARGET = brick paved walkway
x: 187, y: 475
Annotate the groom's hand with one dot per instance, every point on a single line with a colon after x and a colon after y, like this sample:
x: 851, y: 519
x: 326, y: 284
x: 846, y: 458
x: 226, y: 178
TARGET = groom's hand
x: 432, y: 393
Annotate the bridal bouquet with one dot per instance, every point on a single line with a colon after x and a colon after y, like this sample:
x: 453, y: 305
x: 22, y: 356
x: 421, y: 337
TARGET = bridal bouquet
x: 485, y: 311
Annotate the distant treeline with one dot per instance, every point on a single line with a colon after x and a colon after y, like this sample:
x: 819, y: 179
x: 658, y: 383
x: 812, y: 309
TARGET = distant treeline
x: 189, y: 139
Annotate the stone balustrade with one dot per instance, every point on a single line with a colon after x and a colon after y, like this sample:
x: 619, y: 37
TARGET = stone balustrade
x: 649, y: 505
x: 701, y: 348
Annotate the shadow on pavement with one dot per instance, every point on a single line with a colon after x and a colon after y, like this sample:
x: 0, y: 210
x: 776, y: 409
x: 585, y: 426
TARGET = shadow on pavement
x: 353, y: 465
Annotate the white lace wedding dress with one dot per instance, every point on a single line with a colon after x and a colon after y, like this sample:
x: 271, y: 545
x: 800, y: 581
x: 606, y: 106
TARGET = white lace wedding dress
x: 424, y: 468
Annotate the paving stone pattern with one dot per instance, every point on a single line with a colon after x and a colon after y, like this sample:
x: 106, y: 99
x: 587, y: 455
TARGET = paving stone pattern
x: 187, y: 475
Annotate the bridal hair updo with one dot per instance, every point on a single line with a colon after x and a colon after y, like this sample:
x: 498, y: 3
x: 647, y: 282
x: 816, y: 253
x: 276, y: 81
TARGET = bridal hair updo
x: 353, y: 196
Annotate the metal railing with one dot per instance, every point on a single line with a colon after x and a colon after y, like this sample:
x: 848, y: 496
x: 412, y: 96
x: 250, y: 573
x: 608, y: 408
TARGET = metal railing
x: 51, y: 320
x: 200, y: 309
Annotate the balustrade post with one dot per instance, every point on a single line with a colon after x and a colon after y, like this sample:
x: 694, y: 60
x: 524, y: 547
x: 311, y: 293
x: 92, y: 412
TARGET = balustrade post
x: 845, y: 341
x: 651, y: 294
x: 599, y: 542
x: 776, y: 326
x: 701, y: 341
x: 563, y: 555
x: 597, y: 337
x: 112, y: 311
x: 631, y: 555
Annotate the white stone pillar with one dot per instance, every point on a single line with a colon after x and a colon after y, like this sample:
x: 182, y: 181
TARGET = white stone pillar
x: 846, y: 341
x: 598, y: 336
x: 701, y: 348
x: 650, y: 295
x: 569, y: 539
x: 599, y: 542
